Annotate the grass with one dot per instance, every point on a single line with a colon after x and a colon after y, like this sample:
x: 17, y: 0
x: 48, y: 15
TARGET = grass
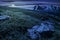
x: 20, y: 20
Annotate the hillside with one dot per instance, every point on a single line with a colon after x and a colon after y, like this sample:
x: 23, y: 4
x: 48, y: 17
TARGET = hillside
x: 20, y: 20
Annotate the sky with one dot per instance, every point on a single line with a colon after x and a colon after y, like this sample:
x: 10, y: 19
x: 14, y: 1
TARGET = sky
x: 33, y: 0
x: 29, y: 1
x: 57, y: 1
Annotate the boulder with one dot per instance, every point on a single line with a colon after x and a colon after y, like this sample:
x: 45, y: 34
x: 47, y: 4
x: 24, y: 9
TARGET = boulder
x: 46, y: 29
x: 32, y: 34
x: 51, y: 8
x: 4, y: 17
x: 39, y: 8
x: 47, y: 8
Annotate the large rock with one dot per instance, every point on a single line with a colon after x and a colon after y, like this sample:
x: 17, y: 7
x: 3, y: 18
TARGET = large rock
x: 47, y: 8
x: 39, y: 8
x: 51, y: 8
x: 46, y: 28
x: 31, y: 34
x: 4, y: 17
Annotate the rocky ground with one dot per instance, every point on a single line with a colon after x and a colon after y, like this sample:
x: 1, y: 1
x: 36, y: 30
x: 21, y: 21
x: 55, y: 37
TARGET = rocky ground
x: 15, y: 28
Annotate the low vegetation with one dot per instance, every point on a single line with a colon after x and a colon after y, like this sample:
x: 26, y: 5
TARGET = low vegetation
x: 15, y: 28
